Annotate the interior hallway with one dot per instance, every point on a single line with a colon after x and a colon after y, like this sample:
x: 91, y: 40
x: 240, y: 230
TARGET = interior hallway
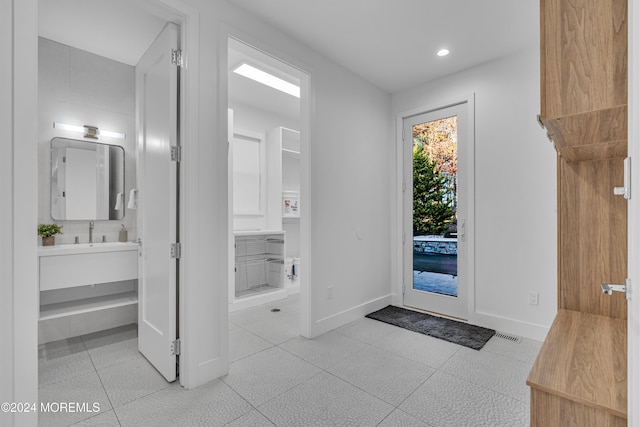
x: 366, y: 373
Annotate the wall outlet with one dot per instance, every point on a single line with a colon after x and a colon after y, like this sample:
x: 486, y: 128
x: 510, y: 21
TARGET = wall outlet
x: 533, y: 298
x: 330, y: 292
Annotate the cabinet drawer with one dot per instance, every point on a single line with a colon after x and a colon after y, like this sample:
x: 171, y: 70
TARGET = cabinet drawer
x: 66, y: 271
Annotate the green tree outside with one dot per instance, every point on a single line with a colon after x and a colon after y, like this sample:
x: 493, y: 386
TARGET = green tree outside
x: 432, y: 211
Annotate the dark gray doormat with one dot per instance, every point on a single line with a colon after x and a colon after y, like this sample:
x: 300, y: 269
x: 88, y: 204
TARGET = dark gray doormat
x: 471, y: 336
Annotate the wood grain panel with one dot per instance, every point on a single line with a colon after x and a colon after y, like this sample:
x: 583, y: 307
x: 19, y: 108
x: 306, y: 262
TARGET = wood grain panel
x: 593, y: 237
x: 584, y: 360
x: 609, y: 150
x: 548, y: 410
x: 593, y: 135
x: 585, y: 55
x: 550, y: 60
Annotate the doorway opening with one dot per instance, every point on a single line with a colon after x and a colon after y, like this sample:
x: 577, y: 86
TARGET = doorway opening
x: 437, y: 208
x: 112, y: 320
x: 267, y: 237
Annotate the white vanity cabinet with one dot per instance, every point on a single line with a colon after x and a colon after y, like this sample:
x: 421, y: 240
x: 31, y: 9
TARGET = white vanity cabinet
x: 82, y: 278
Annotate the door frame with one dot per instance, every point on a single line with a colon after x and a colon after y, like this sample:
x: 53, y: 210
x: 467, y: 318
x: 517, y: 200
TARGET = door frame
x: 19, y: 304
x: 398, y: 270
x: 633, y: 220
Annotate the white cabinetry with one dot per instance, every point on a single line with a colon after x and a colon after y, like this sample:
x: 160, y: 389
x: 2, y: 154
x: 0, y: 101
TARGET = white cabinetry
x: 283, y: 158
x: 284, y: 201
x: 76, y: 279
x: 259, y: 268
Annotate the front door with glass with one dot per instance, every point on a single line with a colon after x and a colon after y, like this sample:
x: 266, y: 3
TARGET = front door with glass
x: 435, y: 208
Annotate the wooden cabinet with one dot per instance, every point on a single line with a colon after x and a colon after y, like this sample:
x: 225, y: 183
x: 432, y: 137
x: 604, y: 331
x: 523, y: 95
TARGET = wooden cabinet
x: 584, y: 77
x: 580, y: 375
x: 592, y: 236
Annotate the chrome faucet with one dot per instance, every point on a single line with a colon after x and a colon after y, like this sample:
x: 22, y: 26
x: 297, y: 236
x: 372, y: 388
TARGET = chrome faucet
x: 91, y: 225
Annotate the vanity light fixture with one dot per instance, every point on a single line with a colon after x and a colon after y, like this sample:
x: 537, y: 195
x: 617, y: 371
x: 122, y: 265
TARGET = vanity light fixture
x: 443, y: 52
x: 267, y: 79
x: 89, y: 131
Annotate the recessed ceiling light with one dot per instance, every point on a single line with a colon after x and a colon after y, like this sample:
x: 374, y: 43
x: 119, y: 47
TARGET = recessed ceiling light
x: 270, y: 80
x: 443, y: 52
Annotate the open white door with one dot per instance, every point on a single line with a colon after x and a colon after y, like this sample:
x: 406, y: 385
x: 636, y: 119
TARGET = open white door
x: 157, y: 109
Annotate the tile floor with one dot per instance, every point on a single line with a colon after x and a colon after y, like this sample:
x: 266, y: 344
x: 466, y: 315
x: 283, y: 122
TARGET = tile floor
x: 366, y: 373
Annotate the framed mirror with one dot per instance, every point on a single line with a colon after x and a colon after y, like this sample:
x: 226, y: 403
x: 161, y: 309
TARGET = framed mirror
x: 87, y: 180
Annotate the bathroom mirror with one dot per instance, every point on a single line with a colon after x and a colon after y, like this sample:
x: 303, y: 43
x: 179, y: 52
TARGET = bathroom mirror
x: 87, y: 180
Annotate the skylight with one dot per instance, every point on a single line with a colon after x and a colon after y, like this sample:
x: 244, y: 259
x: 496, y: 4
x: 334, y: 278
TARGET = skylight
x: 270, y: 80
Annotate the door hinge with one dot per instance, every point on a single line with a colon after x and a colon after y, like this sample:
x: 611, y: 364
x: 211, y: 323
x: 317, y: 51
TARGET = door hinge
x: 175, y: 347
x: 404, y: 186
x: 402, y: 134
x: 404, y: 237
x: 176, y: 153
x: 176, y: 57
x: 176, y: 250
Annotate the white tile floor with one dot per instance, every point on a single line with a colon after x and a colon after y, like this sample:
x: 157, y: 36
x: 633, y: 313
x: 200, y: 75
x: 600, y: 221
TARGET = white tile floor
x: 366, y: 373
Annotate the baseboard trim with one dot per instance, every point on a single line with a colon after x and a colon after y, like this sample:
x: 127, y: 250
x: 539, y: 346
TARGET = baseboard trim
x: 511, y: 326
x: 258, y: 299
x: 334, y: 321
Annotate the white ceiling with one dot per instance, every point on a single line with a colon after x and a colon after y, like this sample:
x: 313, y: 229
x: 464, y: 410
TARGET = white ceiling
x: 121, y: 30
x: 393, y: 43
x: 256, y: 95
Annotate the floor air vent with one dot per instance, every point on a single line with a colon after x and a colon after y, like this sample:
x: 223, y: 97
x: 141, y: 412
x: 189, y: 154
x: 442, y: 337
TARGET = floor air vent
x: 508, y: 337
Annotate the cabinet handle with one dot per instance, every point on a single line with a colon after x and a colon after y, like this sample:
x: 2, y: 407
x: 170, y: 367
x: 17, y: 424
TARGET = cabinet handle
x: 626, y: 190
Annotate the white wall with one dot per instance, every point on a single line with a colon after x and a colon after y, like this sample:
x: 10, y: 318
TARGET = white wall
x: 78, y: 87
x: 515, y: 191
x: 256, y: 120
x: 350, y: 173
